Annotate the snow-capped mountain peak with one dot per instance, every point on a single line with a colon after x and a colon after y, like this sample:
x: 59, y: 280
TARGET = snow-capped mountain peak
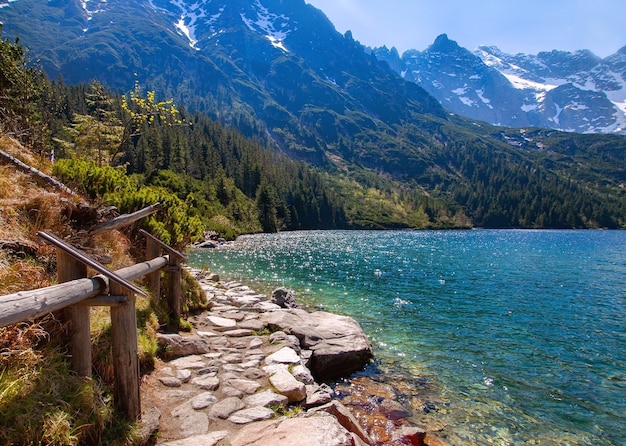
x: 572, y: 91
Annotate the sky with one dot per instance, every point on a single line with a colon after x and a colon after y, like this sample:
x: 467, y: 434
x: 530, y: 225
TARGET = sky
x: 527, y: 26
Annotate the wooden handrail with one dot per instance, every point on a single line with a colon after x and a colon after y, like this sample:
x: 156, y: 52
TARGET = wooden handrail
x: 27, y: 305
x: 76, y: 293
x: 85, y: 259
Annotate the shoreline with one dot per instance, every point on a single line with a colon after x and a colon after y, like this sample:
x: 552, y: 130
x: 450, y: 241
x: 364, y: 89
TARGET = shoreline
x: 388, y: 423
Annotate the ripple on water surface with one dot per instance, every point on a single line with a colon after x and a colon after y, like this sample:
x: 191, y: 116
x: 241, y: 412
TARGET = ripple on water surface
x: 519, y: 334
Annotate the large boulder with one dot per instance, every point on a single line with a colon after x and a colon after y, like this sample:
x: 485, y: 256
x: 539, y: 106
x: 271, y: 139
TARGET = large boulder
x: 317, y: 430
x: 339, y: 345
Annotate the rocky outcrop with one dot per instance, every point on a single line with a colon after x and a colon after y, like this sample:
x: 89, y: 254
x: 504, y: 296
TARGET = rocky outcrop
x: 338, y: 343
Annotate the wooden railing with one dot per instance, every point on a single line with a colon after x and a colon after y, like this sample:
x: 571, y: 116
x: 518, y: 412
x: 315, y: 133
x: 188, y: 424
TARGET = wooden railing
x: 76, y: 293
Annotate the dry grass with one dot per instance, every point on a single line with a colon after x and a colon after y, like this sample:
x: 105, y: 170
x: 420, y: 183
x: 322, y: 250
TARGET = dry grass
x: 41, y: 400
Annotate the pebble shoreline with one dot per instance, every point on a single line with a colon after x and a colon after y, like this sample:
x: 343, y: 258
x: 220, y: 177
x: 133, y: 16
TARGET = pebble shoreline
x: 243, y: 377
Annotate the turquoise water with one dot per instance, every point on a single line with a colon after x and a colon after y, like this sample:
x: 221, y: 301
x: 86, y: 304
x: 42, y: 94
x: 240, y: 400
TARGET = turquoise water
x: 519, y: 335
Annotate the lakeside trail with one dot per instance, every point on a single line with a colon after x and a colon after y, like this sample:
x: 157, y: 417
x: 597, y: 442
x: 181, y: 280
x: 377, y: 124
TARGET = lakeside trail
x: 243, y: 377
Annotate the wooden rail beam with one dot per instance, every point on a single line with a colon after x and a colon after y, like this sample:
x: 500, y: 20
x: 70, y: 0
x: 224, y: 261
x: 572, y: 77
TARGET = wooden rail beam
x: 125, y: 220
x: 28, y: 305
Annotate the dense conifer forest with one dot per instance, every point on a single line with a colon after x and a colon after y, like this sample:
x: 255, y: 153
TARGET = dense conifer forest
x: 129, y: 150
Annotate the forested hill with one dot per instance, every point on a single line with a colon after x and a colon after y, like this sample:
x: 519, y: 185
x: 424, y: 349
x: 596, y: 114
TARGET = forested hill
x: 382, y: 153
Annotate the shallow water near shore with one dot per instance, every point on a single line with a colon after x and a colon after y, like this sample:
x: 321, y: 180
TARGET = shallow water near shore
x: 493, y: 336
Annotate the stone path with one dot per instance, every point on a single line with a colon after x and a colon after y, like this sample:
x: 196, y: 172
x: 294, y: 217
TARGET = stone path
x: 233, y: 382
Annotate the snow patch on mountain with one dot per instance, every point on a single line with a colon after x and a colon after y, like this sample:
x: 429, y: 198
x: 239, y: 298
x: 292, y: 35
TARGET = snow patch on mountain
x: 190, y: 15
x: 275, y: 27
x: 6, y: 3
x: 481, y: 94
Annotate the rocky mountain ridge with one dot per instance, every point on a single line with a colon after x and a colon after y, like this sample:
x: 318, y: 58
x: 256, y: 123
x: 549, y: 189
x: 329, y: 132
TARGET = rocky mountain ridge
x: 569, y: 91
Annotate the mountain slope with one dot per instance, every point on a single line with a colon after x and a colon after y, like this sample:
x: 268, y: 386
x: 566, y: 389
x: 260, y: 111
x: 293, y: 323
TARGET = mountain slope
x: 280, y: 72
x: 574, y: 92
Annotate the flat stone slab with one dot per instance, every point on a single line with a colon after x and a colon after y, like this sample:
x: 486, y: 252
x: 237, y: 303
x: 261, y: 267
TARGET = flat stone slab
x: 252, y: 324
x: 238, y: 333
x: 267, y: 398
x: 310, y: 431
x: 170, y: 381
x: 234, y: 315
x: 285, y: 355
x: 199, y: 440
x: 251, y: 415
x: 178, y: 345
x: 203, y: 400
x: 225, y: 408
x: 206, y: 382
x: 190, y: 422
x: 222, y: 323
x: 245, y: 385
x: 189, y: 362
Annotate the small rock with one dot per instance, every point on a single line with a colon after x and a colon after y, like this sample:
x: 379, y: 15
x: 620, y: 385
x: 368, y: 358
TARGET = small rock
x: 238, y: 333
x: 256, y: 342
x: 264, y: 307
x: 245, y: 385
x: 149, y: 424
x: 266, y: 398
x: 232, y: 358
x: 253, y: 373
x: 393, y: 410
x: 235, y: 368
x: 230, y: 391
x: 254, y: 363
x: 199, y: 440
x: 188, y: 362
x: 246, y: 416
x: 177, y: 345
x: 203, y: 401
x: 285, y: 355
x: 345, y: 418
x: 208, y: 334
x: 184, y: 375
x: 302, y: 374
x: 284, y: 298
x: 166, y: 371
x: 252, y: 324
x: 190, y: 422
x: 316, y: 395
x: 280, y: 337
x: 310, y: 431
x: 242, y: 301
x: 170, y: 381
x: 236, y: 315
x: 221, y: 323
x: 223, y: 409
x: 207, y: 382
x: 414, y: 435
x: 287, y: 385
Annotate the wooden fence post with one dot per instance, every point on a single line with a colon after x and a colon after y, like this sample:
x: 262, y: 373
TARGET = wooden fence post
x: 68, y: 269
x: 126, y: 397
x: 174, y: 291
x: 153, y: 250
